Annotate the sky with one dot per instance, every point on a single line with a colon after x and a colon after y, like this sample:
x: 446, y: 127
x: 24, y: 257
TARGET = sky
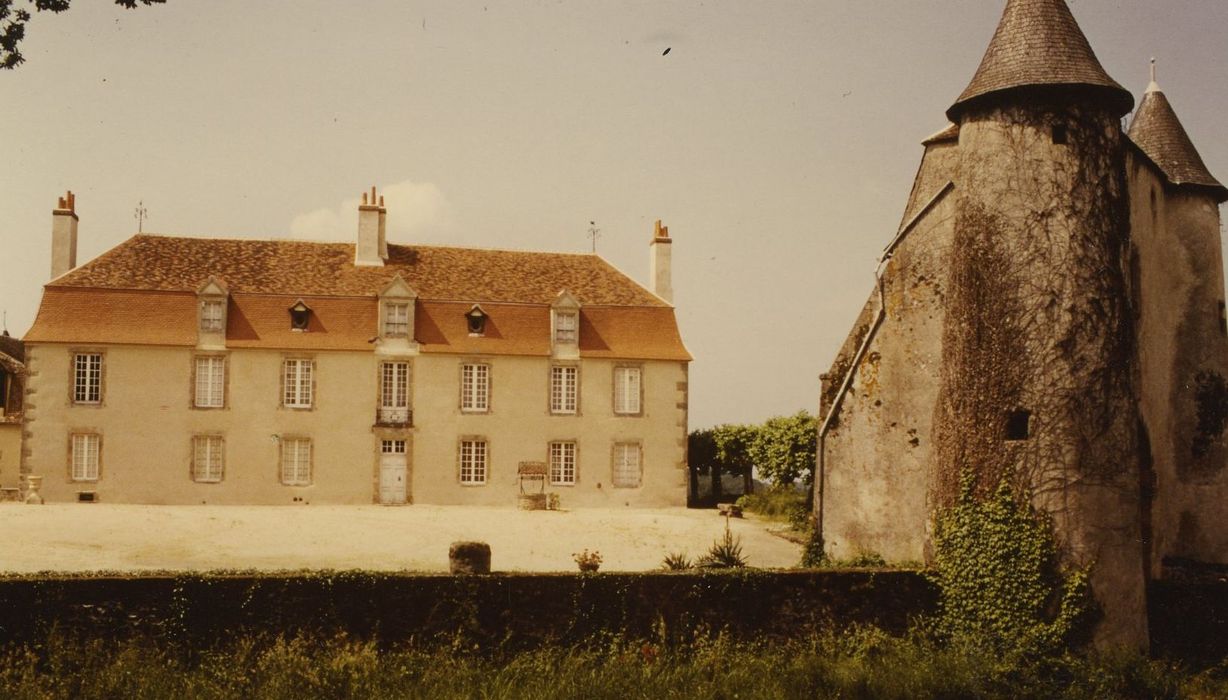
x: 777, y: 140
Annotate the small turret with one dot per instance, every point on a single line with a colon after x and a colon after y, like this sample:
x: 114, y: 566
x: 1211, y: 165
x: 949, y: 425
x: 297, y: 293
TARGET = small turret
x: 1157, y: 131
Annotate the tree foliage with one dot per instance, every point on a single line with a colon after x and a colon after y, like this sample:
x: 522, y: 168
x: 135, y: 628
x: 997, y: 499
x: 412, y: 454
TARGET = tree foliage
x: 14, y: 14
x: 781, y: 450
x: 784, y: 448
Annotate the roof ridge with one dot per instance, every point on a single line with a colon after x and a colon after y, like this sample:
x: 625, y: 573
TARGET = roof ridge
x: 436, y: 246
x: 1038, y: 43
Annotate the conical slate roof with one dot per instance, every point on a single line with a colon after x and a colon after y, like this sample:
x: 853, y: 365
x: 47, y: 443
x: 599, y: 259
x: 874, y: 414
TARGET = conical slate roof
x: 1039, y: 44
x: 1157, y: 131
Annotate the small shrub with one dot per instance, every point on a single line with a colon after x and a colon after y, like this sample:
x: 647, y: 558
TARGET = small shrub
x: 725, y: 553
x: 552, y: 501
x: 780, y: 503
x: 813, y: 553
x: 865, y: 560
x: 677, y: 561
x: 588, y: 561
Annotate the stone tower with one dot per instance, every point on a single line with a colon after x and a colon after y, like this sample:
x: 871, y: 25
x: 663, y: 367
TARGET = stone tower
x: 1038, y: 374
x: 1177, y: 277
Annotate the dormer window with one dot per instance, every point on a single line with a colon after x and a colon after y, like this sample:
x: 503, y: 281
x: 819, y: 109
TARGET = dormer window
x: 396, y: 310
x: 396, y: 319
x: 211, y: 302
x: 212, y: 315
x: 566, y: 326
x: 476, y: 319
x: 300, y: 316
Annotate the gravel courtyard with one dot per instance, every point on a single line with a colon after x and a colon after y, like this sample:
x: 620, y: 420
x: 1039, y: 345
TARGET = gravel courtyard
x: 95, y: 537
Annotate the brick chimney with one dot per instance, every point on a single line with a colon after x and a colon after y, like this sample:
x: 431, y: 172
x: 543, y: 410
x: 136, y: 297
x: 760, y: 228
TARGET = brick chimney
x: 372, y: 248
x: 64, y: 235
x: 659, y: 265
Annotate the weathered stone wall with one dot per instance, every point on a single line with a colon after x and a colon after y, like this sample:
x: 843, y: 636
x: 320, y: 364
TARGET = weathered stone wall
x: 1177, y: 272
x: 876, y: 448
x: 1038, y: 327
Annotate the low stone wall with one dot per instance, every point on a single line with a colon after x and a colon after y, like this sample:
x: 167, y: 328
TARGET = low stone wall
x: 505, y: 610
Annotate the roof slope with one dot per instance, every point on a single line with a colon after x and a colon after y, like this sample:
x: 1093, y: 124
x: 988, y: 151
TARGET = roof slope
x: 1039, y: 43
x: 1158, y: 132
x: 164, y: 263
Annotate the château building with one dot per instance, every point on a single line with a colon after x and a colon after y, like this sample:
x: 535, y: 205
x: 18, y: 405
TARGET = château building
x: 174, y: 370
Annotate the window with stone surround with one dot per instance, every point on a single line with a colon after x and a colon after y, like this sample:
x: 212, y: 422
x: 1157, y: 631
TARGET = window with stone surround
x: 473, y: 454
x: 563, y: 389
x: 207, y: 459
x: 475, y: 387
x: 297, y: 381
x: 296, y: 461
x: 394, y: 392
x: 627, y: 390
x: 212, y: 315
x: 210, y: 383
x: 396, y: 319
x: 563, y: 463
x: 87, y: 378
x: 627, y: 470
x: 86, y: 449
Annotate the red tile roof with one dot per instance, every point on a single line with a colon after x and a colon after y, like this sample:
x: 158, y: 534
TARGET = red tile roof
x: 143, y: 292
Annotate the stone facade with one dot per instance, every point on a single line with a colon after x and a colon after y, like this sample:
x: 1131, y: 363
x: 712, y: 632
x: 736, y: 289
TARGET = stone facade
x: 1051, y: 313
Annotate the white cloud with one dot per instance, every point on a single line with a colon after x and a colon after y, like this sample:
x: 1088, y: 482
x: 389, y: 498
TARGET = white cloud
x: 417, y: 212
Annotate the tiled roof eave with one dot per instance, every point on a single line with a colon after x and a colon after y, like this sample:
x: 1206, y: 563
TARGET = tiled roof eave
x: 1116, y: 99
x: 1214, y: 189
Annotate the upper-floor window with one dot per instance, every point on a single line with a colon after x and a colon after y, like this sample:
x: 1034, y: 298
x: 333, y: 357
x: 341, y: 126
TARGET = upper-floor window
x: 563, y: 463
x: 396, y: 318
x: 296, y: 461
x: 473, y: 461
x: 210, y: 382
x: 566, y: 327
x: 627, y: 471
x: 475, y: 387
x: 87, y: 378
x: 212, y: 315
x: 627, y: 390
x: 394, y: 392
x: 85, y: 456
x: 207, y: 458
x: 563, y: 381
x: 297, y: 382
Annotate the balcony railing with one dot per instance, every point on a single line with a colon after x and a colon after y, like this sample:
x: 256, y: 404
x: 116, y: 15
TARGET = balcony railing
x: 394, y: 417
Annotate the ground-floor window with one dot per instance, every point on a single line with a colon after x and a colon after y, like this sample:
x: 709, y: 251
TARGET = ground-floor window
x: 473, y: 462
x: 563, y: 463
x: 85, y: 449
x: 207, y: 458
x: 296, y: 461
x: 627, y: 471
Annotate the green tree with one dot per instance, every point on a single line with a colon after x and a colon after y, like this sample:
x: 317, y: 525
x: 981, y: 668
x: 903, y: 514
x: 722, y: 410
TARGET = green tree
x: 13, y: 23
x: 733, y: 444
x: 783, y: 448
